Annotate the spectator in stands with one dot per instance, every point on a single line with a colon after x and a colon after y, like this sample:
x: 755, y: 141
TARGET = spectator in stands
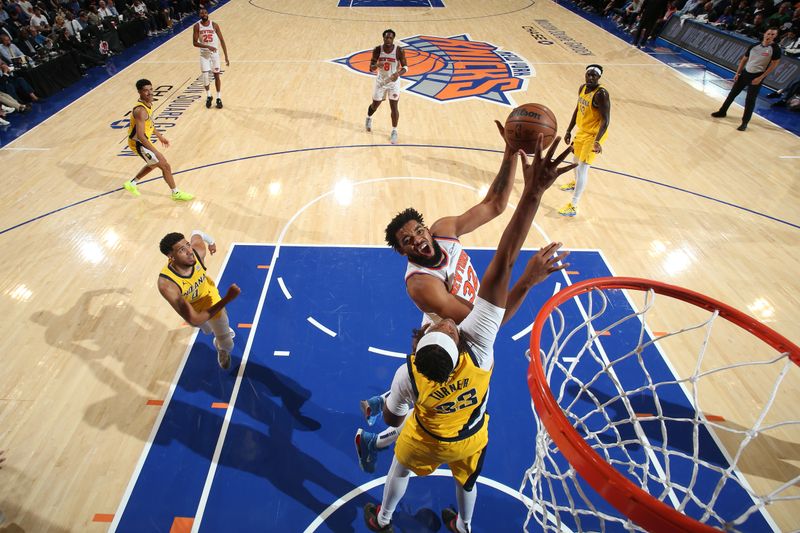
x: 105, y: 11
x: 789, y: 96
x: 141, y: 12
x: 93, y: 16
x: 756, y: 28
x: 672, y: 8
x: 27, y: 44
x: 726, y: 20
x: 15, y: 86
x: 652, y: 12
x: 788, y: 39
x: 73, y: 26
x: 3, y: 12
x: 627, y: 17
x: 39, y: 20
x: 782, y: 16
x: 12, y: 103
x: 10, y: 52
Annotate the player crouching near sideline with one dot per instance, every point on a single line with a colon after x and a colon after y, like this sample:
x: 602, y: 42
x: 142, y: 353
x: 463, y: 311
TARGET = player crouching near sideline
x: 184, y: 283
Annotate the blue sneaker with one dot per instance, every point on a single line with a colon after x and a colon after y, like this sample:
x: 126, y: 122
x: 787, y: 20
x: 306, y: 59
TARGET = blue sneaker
x: 366, y: 450
x: 372, y: 409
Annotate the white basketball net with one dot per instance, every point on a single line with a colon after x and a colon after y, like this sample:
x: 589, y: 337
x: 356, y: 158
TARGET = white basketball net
x: 665, y: 449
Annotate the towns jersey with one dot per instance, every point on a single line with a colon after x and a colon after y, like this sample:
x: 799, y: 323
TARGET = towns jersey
x: 208, y: 35
x: 455, y: 271
x: 456, y: 409
x: 149, y: 127
x: 388, y: 63
x: 198, y: 288
x: 589, y: 117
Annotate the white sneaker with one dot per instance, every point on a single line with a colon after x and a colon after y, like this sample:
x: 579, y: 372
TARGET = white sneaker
x: 368, y: 124
x: 223, y: 357
x: 4, y: 122
x: 7, y: 109
x: 393, y: 137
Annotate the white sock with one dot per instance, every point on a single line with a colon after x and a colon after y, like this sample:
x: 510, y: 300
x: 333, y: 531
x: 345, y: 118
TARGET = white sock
x: 581, y: 180
x: 388, y: 436
x: 393, y: 491
x: 394, y: 129
x: 466, y: 505
x: 174, y: 190
x: 208, y: 93
x: 219, y: 95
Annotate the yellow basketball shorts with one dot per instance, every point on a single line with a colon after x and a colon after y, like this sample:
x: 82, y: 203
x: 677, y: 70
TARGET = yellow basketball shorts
x: 423, y: 454
x: 583, y: 146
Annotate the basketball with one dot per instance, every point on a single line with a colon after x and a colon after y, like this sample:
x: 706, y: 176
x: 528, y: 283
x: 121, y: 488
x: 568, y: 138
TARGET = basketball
x: 526, y: 122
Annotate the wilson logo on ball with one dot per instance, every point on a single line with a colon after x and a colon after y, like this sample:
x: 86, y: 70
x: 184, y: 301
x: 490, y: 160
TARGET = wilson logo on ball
x: 447, y: 69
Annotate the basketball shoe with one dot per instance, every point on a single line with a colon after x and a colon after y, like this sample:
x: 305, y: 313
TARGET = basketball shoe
x: 219, y: 103
x: 208, y: 102
x: 568, y: 186
x: 568, y: 210
x: 223, y: 357
x: 366, y: 450
x: 371, y: 519
x: 372, y: 409
x: 368, y: 124
x: 180, y: 196
x: 719, y: 114
x: 131, y: 187
x: 450, y: 519
x: 393, y: 137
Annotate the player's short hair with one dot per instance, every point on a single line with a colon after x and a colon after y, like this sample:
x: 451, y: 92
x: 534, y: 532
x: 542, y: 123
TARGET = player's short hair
x: 400, y: 220
x: 170, y: 240
x: 142, y: 83
x: 389, y: 31
x: 434, y: 363
x: 595, y: 66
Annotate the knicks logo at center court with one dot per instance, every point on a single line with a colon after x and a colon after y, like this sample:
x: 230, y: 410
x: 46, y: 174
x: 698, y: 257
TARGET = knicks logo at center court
x: 446, y: 69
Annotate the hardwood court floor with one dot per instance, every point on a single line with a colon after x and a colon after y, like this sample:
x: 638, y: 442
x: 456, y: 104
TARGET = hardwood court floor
x: 87, y: 340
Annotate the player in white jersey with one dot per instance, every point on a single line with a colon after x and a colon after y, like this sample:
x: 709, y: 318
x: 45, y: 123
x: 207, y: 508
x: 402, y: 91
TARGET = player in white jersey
x: 440, y: 278
x: 389, y: 62
x: 207, y: 36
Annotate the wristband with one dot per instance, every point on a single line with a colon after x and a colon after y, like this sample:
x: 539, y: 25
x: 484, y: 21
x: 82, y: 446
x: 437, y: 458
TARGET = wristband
x: 208, y: 239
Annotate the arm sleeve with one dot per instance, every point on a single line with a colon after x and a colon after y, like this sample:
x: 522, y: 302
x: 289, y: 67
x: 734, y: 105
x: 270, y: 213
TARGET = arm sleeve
x: 402, y: 398
x: 481, y: 327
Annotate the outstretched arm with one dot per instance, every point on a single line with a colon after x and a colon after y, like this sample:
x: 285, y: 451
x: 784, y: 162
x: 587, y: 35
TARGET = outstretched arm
x: 490, y: 207
x: 539, y: 176
x: 172, y: 294
x: 538, y: 268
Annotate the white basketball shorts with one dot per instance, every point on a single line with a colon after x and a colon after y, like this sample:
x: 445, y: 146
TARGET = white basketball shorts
x: 210, y: 62
x: 386, y: 88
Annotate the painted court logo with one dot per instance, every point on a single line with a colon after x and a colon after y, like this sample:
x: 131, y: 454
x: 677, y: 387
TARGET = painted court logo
x: 446, y: 69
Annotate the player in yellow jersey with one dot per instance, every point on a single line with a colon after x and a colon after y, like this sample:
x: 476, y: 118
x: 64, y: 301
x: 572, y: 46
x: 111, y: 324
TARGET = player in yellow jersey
x: 592, y: 115
x: 140, y: 129
x: 186, y: 285
x: 446, y: 380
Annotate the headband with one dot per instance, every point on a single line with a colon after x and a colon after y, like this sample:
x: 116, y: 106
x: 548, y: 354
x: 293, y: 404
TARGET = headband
x: 442, y: 340
x: 592, y: 68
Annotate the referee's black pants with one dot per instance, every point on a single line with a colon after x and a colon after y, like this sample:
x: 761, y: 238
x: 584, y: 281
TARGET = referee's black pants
x: 745, y: 80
